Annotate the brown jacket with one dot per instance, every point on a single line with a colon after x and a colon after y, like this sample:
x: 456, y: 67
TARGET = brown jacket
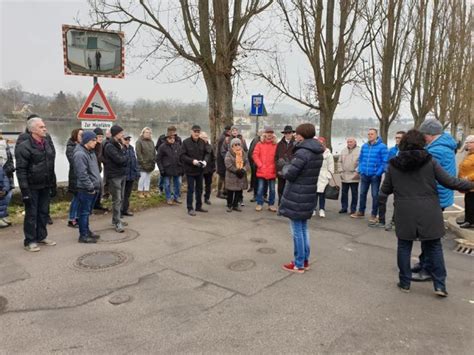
x: 466, y: 168
x: 232, y: 182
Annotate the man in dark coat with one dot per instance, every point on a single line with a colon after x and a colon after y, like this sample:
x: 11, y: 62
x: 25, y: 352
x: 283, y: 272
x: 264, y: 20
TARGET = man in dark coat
x: 220, y: 164
x: 209, y: 170
x: 253, y: 167
x: 171, y: 131
x: 299, y: 197
x: 115, y: 159
x: 283, y: 156
x: 37, y: 180
x: 99, y: 152
x: 133, y: 174
x: 195, y: 158
x: 170, y: 168
x: 411, y: 177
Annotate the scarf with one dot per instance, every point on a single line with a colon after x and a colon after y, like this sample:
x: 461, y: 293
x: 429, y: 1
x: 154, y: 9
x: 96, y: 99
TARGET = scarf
x: 239, y: 158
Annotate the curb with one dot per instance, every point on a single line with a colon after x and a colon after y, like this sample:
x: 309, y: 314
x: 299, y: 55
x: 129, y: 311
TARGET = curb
x: 467, y: 234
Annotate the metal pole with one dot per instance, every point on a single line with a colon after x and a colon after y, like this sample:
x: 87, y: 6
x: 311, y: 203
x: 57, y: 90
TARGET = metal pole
x: 95, y: 80
x: 256, y: 127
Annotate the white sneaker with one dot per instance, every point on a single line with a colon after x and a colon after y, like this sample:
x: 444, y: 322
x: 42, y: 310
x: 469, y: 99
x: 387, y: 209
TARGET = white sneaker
x: 314, y: 213
x: 322, y: 214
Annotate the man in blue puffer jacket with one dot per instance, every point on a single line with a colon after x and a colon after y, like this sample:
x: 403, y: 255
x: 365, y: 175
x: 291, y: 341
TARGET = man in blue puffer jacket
x: 372, y: 161
x: 443, y: 148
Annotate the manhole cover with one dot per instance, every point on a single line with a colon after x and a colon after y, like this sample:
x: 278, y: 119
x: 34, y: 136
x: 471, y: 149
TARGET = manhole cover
x: 241, y: 265
x: 266, y: 250
x: 258, y: 240
x: 119, y: 299
x: 3, y: 304
x: 110, y: 236
x: 101, y: 260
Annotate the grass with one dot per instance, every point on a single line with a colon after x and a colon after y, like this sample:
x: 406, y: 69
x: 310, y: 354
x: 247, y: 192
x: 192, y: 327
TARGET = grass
x: 60, y: 209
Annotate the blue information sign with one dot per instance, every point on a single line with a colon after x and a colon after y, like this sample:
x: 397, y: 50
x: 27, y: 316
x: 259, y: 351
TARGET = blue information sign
x: 257, y: 108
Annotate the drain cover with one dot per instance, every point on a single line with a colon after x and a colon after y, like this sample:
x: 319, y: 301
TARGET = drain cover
x: 266, y: 250
x: 241, y: 265
x: 258, y: 240
x: 110, y: 236
x: 101, y: 260
x: 3, y: 304
x: 464, y: 247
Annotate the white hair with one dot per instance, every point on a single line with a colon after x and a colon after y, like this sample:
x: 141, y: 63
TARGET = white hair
x: 144, y: 130
x: 31, y: 123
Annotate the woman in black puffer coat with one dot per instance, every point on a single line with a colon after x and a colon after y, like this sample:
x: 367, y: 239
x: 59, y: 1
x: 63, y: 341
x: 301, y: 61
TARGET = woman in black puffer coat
x: 411, y: 176
x: 76, y: 137
x: 299, y: 196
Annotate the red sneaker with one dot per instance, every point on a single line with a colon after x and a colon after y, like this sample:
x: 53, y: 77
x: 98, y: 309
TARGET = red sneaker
x: 306, y: 265
x: 292, y: 268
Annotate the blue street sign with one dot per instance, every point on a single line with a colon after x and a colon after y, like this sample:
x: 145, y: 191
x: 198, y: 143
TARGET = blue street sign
x: 256, y: 106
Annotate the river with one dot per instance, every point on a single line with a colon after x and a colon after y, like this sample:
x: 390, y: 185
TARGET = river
x: 60, y: 132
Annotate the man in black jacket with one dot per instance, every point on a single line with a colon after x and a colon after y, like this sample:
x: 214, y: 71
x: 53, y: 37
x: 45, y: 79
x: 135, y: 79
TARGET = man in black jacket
x: 283, y: 156
x: 221, y: 193
x: 171, y: 131
x: 35, y: 172
x: 195, y: 158
x: 115, y: 164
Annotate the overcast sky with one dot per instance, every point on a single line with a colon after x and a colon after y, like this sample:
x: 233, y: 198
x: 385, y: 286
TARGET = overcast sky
x: 32, y: 54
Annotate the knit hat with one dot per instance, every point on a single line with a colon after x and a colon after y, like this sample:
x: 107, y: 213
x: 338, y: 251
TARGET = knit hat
x: 235, y: 141
x: 269, y: 129
x: 98, y: 131
x: 234, y: 127
x: 196, y: 127
x: 470, y: 138
x: 87, y: 136
x: 116, y: 129
x: 431, y: 127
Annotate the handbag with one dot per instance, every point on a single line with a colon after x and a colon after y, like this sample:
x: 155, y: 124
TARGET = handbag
x: 332, y: 192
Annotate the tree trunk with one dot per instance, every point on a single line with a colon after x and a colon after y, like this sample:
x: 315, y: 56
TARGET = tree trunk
x: 325, y: 126
x: 383, y: 127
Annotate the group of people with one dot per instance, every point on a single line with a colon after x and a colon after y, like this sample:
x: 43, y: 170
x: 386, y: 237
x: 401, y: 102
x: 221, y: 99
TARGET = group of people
x: 419, y: 171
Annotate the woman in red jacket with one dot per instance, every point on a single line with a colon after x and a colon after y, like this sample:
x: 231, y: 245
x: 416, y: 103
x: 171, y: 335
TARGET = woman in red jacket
x: 264, y: 158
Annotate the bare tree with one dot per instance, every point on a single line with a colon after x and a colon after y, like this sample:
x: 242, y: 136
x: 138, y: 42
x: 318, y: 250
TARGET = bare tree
x: 430, y: 37
x: 453, y: 104
x: 209, y: 35
x: 332, y: 36
x: 386, y: 68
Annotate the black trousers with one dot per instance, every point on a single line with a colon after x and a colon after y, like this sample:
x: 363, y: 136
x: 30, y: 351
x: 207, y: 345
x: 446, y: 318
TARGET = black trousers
x: 281, y: 187
x: 469, y: 207
x: 207, y: 185
x: 253, y: 178
x: 233, y: 198
x: 126, y: 195
x: 36, y: 216
x: 194, y: 188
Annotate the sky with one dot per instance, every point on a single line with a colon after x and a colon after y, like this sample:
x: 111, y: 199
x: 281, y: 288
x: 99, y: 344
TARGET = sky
x: 32, y: 54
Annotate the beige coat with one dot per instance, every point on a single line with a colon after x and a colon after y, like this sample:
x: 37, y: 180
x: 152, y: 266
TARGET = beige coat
x: 349, y: 162
x: 326, y: 170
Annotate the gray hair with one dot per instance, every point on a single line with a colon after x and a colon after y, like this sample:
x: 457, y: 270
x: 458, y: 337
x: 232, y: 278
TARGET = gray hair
x: 31, y: 123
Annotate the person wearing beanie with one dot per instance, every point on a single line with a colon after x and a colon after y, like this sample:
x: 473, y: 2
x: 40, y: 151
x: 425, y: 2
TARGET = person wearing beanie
x: 25, y: 136
x: 115, y: 164
x: 264, y: 158
x: 88, y: 183
x: 73, y: 141
x: 372, y: 162
x: 237, y: 165
x: 170, y: 131
x: 209, y: 169
x: 466, y: 171
x: 145, y: 148
x: 194, y: 158
x: 299, y: 197
x: 220, y: 164
x: 442, y: 148
x: 171, y: 168
x: 99, y: 150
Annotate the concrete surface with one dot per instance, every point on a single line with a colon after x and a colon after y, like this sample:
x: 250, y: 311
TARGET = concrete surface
x: 204, y: 284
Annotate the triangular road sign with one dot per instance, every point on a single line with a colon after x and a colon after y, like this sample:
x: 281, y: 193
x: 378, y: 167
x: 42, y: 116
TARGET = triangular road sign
x: 96, y: 106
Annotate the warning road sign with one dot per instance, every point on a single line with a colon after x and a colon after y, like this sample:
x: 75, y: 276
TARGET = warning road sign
x: 96, y: 106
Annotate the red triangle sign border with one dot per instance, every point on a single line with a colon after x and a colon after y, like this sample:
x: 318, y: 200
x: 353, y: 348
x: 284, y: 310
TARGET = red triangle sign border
x: 82, y: 115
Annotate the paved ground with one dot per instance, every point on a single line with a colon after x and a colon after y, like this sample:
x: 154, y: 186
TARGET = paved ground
x: 213, y: 283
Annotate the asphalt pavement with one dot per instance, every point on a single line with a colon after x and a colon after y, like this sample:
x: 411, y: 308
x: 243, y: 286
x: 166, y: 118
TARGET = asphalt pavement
x: 214, y: 284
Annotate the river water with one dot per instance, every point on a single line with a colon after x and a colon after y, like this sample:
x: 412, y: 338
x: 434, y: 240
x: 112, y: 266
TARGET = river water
x: 61, y: 131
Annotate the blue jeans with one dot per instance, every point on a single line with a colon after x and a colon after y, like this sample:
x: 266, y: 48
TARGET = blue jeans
x: 261, y: 189
x: 321, y: 199
x: 176, y: 187
x: 74, y: 208
x: 434, y: 252
x: 194, y: 188
x: 161, y: 183
x: 299, y: 230
x: 345, y: 196
x: 374, y: 183
x: 86, y: 203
